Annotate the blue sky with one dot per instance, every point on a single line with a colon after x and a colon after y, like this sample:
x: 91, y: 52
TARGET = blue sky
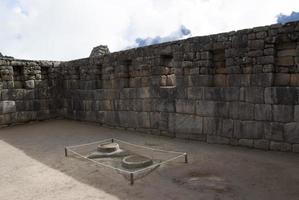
x: 69, y: 29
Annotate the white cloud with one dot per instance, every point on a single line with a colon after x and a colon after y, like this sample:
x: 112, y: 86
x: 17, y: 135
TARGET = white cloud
x: 68, y: 29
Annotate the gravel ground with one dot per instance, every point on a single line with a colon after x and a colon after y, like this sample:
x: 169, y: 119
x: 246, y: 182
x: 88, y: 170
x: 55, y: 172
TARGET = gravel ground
x: 33, y: 166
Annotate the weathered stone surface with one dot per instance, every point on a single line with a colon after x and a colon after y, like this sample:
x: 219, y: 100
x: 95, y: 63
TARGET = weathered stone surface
x: 183, y: 124
x: 263, y: 112
x: 215, y: 139
x: 185, y: 106
x: 212, y: 126
x: 249, y: 129
x: 292, y: 132
x: 281, y: 95
x: 246, y: 143
x: 254, y: 95
x: 280, y: 146
x: 274, y: 131
x: 296, y: 148
x: 261, y: 144
x: 29, y: 84
x: 283, y: 113
x: 7, y: 107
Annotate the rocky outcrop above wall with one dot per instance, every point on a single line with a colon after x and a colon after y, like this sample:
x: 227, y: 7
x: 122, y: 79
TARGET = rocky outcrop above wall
x: 237, y: 88
x: 99, y: 51
x: 27, y: 90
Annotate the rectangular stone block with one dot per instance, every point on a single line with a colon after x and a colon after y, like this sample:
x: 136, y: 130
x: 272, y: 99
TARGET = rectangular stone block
x: 261, y: 144
x: 292, y: 132
x: 185, y: 124
x: 281, y: 95
x: 283, y: 113
x: 215, y: 139
x: 295, y: 148
x: 231, y: 93
x: 246, y: 111
x: 212, y: 93
x: 248, y: 129
x: 280, y: 146
x: 195, y: 93
x: 227, y: 128
x: 263, y: 112
x: 212, y: 126
x: 262, y: 80
x: 185, y: 106
x: 246, y: 143
x: 205, y: 108
x: 7, y: 107
x: 282, y: 79
x: 254, y: 94
x: 238, y: 80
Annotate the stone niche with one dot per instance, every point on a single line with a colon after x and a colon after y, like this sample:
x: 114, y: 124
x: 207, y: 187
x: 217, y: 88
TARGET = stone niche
x: 168, y: 78
x: 286, y: 54
x: 218, y: 58
x: 18, y: 77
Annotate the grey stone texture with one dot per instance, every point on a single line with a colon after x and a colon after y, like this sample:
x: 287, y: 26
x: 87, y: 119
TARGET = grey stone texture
x: 237, y: 88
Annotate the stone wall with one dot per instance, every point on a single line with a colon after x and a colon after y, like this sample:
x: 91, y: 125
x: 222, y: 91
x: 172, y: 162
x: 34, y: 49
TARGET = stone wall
x: 27, y: 90
x: 237, y: 88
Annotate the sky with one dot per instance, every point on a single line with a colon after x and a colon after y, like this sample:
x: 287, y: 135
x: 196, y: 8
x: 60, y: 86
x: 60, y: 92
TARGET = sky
x: 69, y: 29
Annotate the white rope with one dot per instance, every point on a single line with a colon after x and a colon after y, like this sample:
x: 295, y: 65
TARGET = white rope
x: 69, y: 148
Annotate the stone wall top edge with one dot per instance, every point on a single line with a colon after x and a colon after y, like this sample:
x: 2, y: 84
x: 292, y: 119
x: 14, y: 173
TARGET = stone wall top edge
x: 133, y: 51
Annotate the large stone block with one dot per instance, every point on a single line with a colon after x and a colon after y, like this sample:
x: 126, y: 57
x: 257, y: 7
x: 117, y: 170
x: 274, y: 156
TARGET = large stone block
x: 263, y: 112
x: 262, y: 80
x: 227, y: 128
x: 274, y: 131
x: 254, y: 94
x: 292, y: 132
x: 195, y: 93
x: 281, y: 95
x: 261, y: 144
x: 248, y: 129
x: 231, y: 93
x: 213, y: 94
x: 143, y: 120
x: 206, y: 108
x: 215, y: 139
x: 212, y: 126
x: 282, y: 79
x: 29, y: 84
x: 7, y: 107
x: 280, y: 146
x: 246, y: 143
x: 246, y: 111
x: 185, y: 106
x: 283, y: 113
x: 184, y: 125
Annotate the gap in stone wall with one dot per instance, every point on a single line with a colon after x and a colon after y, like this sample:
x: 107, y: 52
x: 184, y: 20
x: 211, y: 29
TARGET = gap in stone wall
x: 126, y: 77
x: 219, y: 58
x: 18, y: 77
x: 98, y: 76
x: 168, y: 78
x: 286, y: 54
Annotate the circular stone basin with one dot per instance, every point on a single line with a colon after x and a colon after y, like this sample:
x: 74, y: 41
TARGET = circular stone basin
x: 136, y: 161
x: 108, y: 148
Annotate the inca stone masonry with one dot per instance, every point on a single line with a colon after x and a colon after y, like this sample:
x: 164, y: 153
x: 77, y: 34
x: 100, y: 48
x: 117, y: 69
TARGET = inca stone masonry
x: 237, y: 88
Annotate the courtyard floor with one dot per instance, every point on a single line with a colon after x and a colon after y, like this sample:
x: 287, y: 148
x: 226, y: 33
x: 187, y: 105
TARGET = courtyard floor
x: 33, y: 166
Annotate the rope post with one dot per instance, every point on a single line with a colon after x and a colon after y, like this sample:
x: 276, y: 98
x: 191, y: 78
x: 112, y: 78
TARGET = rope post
x: 131, y: 179
x: 186, y: 158
x: 65, y: 152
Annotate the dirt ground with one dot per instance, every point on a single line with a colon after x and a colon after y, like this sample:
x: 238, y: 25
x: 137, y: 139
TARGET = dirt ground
x: 33, y: 166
